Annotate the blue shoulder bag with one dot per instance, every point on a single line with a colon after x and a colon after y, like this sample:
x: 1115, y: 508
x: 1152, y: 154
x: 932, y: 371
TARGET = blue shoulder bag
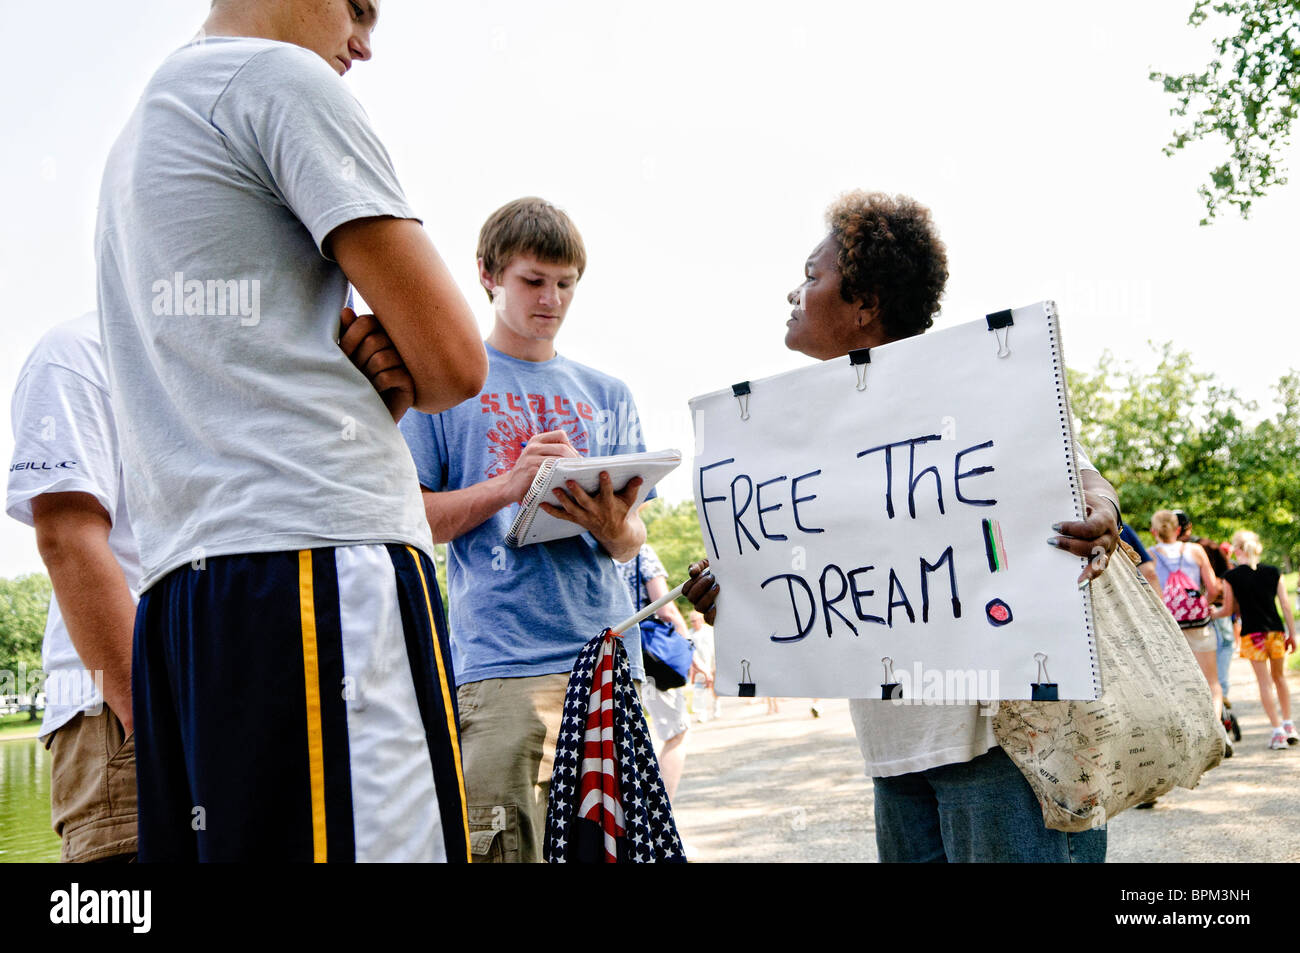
x: 665, y: 653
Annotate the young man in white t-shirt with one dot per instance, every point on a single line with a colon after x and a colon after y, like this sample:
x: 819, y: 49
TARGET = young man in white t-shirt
x: 65, y: 480
x: 292, y: 688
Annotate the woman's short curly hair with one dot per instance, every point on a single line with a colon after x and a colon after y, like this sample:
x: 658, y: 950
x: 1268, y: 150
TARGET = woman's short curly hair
x: 890, y: 257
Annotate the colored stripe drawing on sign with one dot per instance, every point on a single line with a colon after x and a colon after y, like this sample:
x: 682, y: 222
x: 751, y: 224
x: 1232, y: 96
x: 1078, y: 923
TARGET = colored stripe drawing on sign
x: 994, y: 548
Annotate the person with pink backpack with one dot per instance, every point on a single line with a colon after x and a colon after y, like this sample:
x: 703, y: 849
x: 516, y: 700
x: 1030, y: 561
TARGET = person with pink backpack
x: 1189, y: 587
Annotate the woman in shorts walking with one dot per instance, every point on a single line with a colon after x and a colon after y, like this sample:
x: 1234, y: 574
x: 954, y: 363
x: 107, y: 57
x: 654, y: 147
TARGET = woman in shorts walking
x: 1251, y: 589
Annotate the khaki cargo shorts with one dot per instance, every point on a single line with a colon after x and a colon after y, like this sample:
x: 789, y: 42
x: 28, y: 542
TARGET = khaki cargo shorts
x: 92, y: 788
x: 508, y: 731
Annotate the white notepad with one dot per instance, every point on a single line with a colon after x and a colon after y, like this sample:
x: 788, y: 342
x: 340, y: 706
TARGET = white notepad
x: 535, y: 525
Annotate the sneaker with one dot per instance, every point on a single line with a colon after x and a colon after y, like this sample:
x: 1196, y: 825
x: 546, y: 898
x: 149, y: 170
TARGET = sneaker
x: 1278, y: 741
x: 1227, y: 748
x: 1291, y: 736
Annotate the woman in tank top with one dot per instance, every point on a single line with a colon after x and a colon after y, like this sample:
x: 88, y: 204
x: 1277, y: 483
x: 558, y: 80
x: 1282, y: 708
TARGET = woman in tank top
x: 1251, y: 589
x: 1171, y: 555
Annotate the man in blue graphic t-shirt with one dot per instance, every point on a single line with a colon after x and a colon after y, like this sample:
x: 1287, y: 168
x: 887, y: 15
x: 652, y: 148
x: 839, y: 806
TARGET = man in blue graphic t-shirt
x: 519, y: 617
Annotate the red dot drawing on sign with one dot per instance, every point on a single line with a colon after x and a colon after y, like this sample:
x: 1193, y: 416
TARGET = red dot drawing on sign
x: 997, y: 612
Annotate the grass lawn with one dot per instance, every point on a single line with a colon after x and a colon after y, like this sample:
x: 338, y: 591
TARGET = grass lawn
x: 18, y: 726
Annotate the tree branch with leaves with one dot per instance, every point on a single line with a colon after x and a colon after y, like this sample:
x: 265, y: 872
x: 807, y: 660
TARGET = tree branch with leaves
x: 1248, y: 94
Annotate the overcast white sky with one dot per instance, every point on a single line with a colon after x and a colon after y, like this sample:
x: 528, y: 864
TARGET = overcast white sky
x: 697, y: 145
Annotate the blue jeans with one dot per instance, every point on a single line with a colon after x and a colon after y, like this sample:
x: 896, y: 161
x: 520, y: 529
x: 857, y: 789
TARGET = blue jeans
x: 1223, y: 657
x: 981, y: 810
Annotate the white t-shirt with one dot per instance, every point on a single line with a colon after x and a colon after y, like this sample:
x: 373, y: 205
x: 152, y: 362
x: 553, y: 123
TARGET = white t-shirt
x: 244, y: 428
x: 899, y: 738
x: 65, y: 441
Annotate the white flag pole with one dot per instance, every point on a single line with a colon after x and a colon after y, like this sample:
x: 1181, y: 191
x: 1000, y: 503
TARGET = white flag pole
x: 648, y: 611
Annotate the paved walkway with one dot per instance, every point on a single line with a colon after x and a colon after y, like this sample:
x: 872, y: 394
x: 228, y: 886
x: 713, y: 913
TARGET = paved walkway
x: 788, y: 787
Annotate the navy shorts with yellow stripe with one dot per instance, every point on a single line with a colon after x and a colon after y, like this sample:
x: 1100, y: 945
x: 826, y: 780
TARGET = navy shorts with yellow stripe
x: 298, y: 706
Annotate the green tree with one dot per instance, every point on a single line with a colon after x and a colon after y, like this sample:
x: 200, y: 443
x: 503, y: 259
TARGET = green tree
x: 1269, y: 464
x: 674, y: 532
x: 24, y: 603
x: 1164, y: 438
x: 1174, y: 437
x: 1248, y: 94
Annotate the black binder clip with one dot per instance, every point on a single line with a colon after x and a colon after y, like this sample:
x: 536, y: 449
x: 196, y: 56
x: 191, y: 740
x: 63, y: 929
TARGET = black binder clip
x: 1000, y: 323
x: 890, y: 689
x: 741, y: 392
x: 860, y: 357
x: 1043, y: 690
x: 745, y: 689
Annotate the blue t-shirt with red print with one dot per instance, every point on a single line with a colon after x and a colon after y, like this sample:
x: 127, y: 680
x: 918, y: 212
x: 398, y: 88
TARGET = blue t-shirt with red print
x: 528, y: 611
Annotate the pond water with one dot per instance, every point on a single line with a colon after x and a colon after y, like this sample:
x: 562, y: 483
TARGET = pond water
x: 25, y: 834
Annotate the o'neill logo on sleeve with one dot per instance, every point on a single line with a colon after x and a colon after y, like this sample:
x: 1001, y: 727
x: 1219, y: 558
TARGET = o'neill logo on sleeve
x: 42, y: 465
x: 102, y: 906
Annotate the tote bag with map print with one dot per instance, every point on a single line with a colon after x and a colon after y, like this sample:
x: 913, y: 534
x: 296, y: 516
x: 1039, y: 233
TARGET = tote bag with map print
x: 1152, y: 729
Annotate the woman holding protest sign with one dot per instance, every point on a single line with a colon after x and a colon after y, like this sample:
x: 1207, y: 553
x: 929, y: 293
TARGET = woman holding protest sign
x: 944, y: 789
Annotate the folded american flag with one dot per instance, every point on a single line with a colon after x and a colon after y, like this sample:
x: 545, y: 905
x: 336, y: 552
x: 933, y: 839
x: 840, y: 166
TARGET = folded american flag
x: 607, y: 802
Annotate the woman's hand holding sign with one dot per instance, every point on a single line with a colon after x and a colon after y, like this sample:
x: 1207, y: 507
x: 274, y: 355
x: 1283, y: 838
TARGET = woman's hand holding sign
x: 1097, y: 535
x: 702, y: 590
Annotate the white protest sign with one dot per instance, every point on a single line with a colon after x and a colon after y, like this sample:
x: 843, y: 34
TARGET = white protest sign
x: 899, y: 508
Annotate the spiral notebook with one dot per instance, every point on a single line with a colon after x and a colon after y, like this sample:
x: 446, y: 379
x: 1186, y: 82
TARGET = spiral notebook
x: 535, y: 525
